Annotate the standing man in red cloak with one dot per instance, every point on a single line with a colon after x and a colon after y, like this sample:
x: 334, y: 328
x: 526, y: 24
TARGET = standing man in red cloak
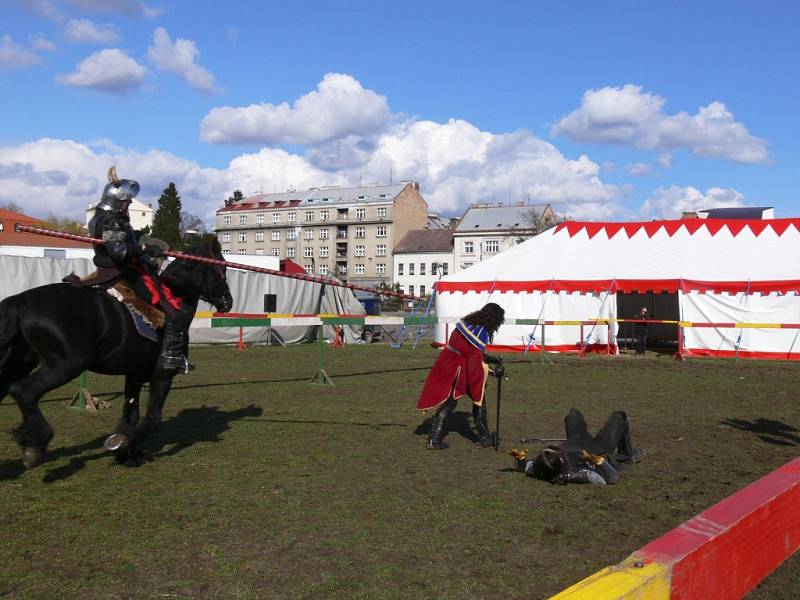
x: 462, y: 368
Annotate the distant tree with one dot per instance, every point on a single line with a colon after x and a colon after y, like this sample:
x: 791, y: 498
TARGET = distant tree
x: 192, y: 224
x: 167, y: 220
x: 63, y: 224
x: 535, y: 223
x: 143, y: 231
x: 237, y: 196
x: 13, y: 207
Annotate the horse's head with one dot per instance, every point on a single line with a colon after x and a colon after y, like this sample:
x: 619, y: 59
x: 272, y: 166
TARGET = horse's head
x: 202, y: 280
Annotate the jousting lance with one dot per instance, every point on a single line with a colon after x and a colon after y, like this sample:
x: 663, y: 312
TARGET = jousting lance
x: 221, y: 263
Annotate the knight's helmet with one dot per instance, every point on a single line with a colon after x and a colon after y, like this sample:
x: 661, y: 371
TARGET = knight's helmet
x: 118, y: 192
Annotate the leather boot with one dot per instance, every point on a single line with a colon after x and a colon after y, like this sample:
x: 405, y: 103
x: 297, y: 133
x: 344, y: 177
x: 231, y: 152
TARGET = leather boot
x: 172, y: 356
x: 435, y: 441
x: 481, y: 424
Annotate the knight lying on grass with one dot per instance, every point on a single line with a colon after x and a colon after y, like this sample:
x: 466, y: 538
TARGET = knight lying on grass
x: 583, y: 458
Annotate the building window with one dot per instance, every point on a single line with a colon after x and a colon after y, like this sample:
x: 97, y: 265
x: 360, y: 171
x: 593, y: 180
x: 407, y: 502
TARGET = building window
x: 469, y: 248
x: 308, y: 252
x: 342, y: 214
x: 380, y: 250
x: 361, y: 214
x: 410, y: 268
x: 309, y: 215
x: 259, y: 252
x: 422, y: 268
x: 259, y: 218
x: 323, y: 252
x: 308, y: 234
x: 276, y: 252
x: 291, y: 216
x: 360, y: 251
x: 444, y: 268
x: 276, y: 235
x: 291, y: 253
x: 381, y: 231
x: 322, y: 270
x: 411, y: 290
x: 324, y: 215
x: 422, y: 290
x: 226, y: 220
x: 359, y: 269
x: 226, y: 237
x: 382, y: 212
x: 276, y: 218
x: 399, y: 269
x: 242, y: 219
x: 242, y: 236
x: 309, y: 269
x: 242, y: 251
x: 361, y: 232
x: 491, y: 246
x: 291, y: 234
x: 323, y: 233
x: 259, y: 236
x: 466, y: 265
x: 380, y: 268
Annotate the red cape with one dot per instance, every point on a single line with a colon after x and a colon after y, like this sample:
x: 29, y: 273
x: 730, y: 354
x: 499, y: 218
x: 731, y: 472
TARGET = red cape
x: 463, y: 372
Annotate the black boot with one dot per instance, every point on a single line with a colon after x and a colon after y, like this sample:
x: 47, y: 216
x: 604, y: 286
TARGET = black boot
x: 435, y: 441
x: 481, y: 424
x: 172, y: 356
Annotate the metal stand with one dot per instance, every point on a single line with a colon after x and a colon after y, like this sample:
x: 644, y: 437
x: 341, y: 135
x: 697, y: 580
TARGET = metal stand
x: 83, y: 399
x: 321, y: 377
x: 271, y: 335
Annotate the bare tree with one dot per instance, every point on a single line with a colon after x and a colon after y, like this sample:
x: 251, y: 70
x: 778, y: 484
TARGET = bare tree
x: 63, y: 224
x: 13, y: 207
x: 536, y: 222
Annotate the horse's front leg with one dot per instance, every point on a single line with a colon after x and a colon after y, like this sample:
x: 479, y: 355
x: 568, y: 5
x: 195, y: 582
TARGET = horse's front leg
x: 119, y: 441
x: 159, y: 388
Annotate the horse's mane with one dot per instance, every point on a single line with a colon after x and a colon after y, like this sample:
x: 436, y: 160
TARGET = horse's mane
x: 179, y: 272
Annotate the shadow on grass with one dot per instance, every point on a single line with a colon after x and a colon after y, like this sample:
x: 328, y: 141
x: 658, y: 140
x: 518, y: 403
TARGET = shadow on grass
x: 458, y: 422
x: 767, y: 430
x: 222, y: 384
x: 189, y: 427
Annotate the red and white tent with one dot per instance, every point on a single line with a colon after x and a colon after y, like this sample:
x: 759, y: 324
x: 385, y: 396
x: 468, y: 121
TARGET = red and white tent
x: 720, y: 271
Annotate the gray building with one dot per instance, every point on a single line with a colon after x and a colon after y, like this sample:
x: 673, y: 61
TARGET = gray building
x: 348, y: 233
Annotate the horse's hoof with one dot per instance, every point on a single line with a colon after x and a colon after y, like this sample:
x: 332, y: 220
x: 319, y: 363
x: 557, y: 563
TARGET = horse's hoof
x: 32, y: 457
x: 116, y: 442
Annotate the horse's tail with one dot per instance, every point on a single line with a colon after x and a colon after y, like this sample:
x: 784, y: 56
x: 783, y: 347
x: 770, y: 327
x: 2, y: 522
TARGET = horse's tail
x: 9, y: 327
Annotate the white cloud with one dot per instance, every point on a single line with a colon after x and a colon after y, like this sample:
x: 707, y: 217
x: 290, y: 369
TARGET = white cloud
x: 338, y: 108
x: 42, y: 44
x: 669, y: 203
x: 639, y: 169
x: 179, y: 58
x: 665, y: 160
x: 45, y: 9
x: 109, y: 70
x: 84, y: 31
x: 14, y: 56
x: 130, y: 8
x: 627, y: 116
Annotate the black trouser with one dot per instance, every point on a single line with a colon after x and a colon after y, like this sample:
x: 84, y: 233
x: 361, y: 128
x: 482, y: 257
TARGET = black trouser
x: 613, y: 437
x: 641, y: 341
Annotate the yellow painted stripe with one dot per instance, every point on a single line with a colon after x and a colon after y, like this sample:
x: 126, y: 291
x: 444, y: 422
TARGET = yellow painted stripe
x: 622, y: 582
x: 758, y: 325
x: 203, y: 314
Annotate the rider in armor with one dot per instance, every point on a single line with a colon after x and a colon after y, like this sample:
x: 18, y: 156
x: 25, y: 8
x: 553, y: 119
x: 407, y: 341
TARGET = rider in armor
x: 137, y: 264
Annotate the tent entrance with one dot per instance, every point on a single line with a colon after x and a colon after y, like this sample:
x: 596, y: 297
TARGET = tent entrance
x: 660, y: 306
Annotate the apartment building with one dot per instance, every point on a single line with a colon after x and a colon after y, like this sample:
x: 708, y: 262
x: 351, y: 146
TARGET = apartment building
x: 348, y: 233
x: 421, y: 258
x: 487, y: 229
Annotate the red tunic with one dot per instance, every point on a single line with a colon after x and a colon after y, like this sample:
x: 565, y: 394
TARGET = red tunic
x: 459, y: 368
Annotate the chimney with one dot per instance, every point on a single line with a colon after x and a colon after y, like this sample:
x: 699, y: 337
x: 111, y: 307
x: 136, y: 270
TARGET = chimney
x: 689, y: 214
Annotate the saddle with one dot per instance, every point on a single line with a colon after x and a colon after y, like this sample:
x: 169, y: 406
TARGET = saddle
x: 145, y: 315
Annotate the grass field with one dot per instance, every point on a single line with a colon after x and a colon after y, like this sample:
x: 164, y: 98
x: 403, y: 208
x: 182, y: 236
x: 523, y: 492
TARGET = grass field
x: 263, y: 486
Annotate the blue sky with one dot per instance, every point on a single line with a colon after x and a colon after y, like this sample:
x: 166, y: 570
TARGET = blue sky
x: 607, y: 110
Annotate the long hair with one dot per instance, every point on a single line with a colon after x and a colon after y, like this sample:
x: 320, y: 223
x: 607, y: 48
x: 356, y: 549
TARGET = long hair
x: 549, y: 464
x: 490, y: 316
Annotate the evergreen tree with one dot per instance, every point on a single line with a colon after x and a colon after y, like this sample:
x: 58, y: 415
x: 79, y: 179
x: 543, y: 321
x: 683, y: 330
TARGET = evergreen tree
x: 237, y: 196
x: 167, y: 220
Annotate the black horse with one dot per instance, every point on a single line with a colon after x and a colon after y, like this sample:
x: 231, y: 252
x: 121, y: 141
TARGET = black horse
x: 65, y: 330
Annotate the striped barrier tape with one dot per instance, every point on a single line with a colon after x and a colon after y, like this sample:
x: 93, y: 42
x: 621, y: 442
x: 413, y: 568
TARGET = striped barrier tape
x: 298, y: 319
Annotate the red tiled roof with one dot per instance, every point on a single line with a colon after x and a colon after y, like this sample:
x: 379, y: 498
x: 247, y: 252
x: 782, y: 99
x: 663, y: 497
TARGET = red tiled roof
x: 250, y: 204
x: 9, y: 237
